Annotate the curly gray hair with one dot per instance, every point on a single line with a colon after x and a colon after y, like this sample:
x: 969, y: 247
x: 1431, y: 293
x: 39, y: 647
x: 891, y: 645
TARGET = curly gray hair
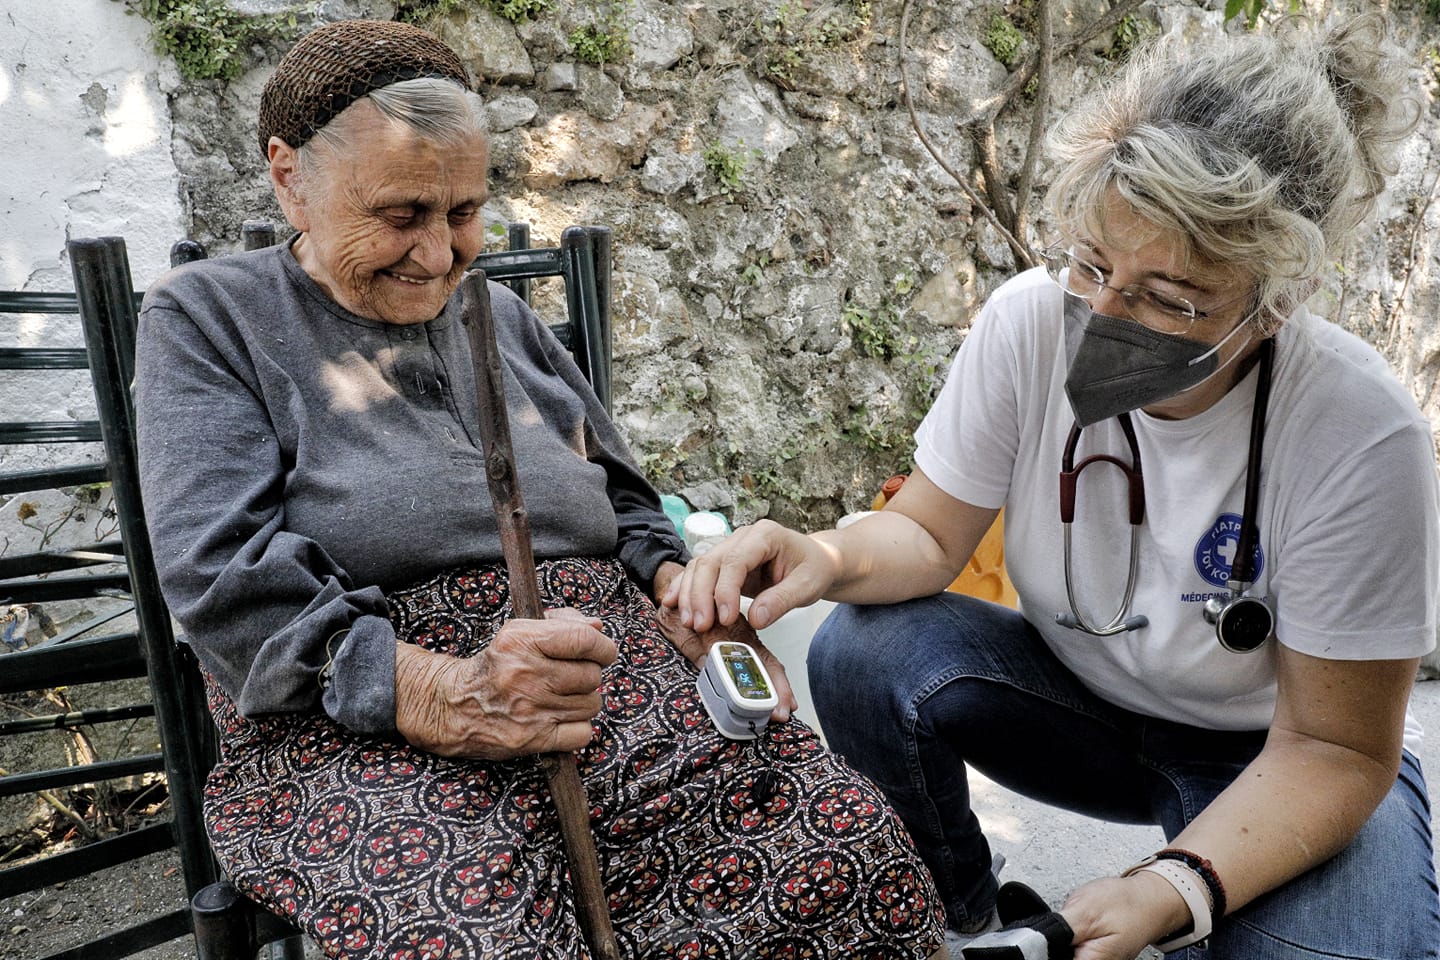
x: 1262, y: 150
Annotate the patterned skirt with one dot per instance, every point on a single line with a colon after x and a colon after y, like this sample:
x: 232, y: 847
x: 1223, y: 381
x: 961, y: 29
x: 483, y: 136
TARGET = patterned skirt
x: 709, y: 848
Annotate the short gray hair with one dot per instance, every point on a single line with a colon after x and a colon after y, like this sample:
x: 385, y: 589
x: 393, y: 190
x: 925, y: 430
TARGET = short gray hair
x: 1263, y: 150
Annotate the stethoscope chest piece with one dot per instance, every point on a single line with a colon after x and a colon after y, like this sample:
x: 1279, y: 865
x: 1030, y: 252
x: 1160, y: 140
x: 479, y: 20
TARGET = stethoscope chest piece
x: 1242, y: 622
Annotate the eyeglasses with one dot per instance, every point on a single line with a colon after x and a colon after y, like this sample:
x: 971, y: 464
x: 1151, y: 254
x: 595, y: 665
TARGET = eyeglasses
x: 1161, y: 312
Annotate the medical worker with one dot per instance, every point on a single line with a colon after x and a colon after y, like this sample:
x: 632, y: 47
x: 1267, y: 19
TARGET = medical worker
x: 1220, y: 517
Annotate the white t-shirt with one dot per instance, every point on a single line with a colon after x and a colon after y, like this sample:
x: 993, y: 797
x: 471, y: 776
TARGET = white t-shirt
x: 1348, y: 517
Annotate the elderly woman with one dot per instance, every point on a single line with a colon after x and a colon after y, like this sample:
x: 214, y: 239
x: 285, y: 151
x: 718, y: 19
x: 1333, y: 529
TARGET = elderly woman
x: 1223, y: 645
x: 317, y: 499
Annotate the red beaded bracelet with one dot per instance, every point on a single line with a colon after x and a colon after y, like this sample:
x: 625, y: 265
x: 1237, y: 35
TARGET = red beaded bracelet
x: 1206, y: 871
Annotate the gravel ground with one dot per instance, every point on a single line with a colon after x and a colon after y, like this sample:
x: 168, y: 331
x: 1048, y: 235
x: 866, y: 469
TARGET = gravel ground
x: 56, y: 918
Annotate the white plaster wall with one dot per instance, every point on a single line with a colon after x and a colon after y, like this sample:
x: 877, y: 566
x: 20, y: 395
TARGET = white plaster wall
x: 86, y: 127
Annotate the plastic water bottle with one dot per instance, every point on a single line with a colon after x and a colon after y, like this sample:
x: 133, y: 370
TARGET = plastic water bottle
x: 850, y: 518
x: 703, y: 530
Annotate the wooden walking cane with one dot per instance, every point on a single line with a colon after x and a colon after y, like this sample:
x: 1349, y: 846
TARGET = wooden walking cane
x: 564, y: 780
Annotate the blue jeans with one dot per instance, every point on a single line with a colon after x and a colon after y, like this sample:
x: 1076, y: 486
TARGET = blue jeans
x: 910, y: 693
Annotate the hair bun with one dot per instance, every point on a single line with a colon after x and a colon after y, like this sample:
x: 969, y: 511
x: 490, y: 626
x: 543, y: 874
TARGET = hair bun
x: 1370, y: 85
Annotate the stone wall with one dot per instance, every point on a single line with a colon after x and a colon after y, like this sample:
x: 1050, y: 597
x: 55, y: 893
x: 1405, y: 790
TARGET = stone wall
x: 793, y: 269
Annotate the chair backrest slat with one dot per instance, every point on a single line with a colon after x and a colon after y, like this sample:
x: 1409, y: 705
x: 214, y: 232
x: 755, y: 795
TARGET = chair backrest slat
x: 36, y: 301
x: 71, y: 776
x: 503, y: 265
x: 76, y: 718
x: 83, y: 861
x: 50, y: 431
x: 52, y: 561
x: 55, y: 589
x: 47, y: 301
x: 92, y: 660
x: 76, y: 475
x: 43, y: 358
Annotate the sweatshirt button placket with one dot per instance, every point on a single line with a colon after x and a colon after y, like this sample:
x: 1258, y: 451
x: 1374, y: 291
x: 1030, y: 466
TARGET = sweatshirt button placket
x: 409, y: 360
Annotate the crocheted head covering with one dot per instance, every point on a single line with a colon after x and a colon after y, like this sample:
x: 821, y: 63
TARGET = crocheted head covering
x: 332, y: 67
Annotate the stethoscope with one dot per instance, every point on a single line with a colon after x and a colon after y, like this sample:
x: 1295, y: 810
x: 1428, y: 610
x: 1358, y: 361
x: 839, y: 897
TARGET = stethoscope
x: 1242, y: 621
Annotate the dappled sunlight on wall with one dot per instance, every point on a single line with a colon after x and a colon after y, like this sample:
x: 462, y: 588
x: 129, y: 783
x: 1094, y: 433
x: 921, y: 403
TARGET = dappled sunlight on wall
x: 88, y: 153
x: 131, y: 125
x: 45, y: 330
x: 12, y: 272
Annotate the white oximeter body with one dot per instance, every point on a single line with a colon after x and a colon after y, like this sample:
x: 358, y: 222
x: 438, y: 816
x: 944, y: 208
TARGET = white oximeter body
x: 736, y: 690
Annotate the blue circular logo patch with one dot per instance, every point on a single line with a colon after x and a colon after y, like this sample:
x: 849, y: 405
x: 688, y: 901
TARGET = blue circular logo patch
x: 1215, y: 551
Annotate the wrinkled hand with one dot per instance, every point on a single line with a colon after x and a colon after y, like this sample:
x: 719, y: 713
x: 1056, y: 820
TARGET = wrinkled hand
x: 1114, y: 918
x: 535, y: 689
x: 780, y: 568
x: 696, y: 646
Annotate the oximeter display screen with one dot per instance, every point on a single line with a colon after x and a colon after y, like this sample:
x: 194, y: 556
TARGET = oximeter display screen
x: 745, y: 672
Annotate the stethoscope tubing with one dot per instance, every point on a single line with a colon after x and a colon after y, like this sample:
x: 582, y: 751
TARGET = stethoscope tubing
x: 1069, y: 481
x: 1242, y: 575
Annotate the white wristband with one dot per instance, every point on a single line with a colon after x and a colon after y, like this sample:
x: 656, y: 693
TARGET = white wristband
x: 1192, y: 890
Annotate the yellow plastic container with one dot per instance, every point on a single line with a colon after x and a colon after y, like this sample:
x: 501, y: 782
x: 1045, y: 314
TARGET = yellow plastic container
x: 888, y: 489
x: 984, y: 575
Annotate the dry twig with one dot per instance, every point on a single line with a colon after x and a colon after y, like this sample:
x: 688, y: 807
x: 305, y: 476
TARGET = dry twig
x: 1023, y: 188
x: 62, y: 808
x: 1393, y: 323
x: 1009, y: 217
x: 1015, y: 245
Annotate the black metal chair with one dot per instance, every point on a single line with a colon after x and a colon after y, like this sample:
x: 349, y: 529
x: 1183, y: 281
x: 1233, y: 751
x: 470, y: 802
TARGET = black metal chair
x: 106, y: 304
x: 583, y: 259
x: 226, y: 924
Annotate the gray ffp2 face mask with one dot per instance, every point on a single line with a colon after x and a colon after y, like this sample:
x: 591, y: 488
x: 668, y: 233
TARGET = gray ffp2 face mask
x: 1117, y: 365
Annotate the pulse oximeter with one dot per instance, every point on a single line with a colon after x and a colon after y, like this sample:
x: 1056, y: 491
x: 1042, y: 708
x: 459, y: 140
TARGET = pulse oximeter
x: 736, y: 690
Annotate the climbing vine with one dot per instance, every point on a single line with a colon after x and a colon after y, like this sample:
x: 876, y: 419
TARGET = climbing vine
x: 516, y: 11
x: 206, y: 38
x: 791, y: 30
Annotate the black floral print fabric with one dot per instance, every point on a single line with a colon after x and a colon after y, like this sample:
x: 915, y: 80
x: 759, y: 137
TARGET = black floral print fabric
x: 709, y: 848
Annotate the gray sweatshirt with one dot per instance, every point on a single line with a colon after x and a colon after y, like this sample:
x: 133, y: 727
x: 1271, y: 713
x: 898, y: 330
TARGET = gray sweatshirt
x: 297, y: 461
